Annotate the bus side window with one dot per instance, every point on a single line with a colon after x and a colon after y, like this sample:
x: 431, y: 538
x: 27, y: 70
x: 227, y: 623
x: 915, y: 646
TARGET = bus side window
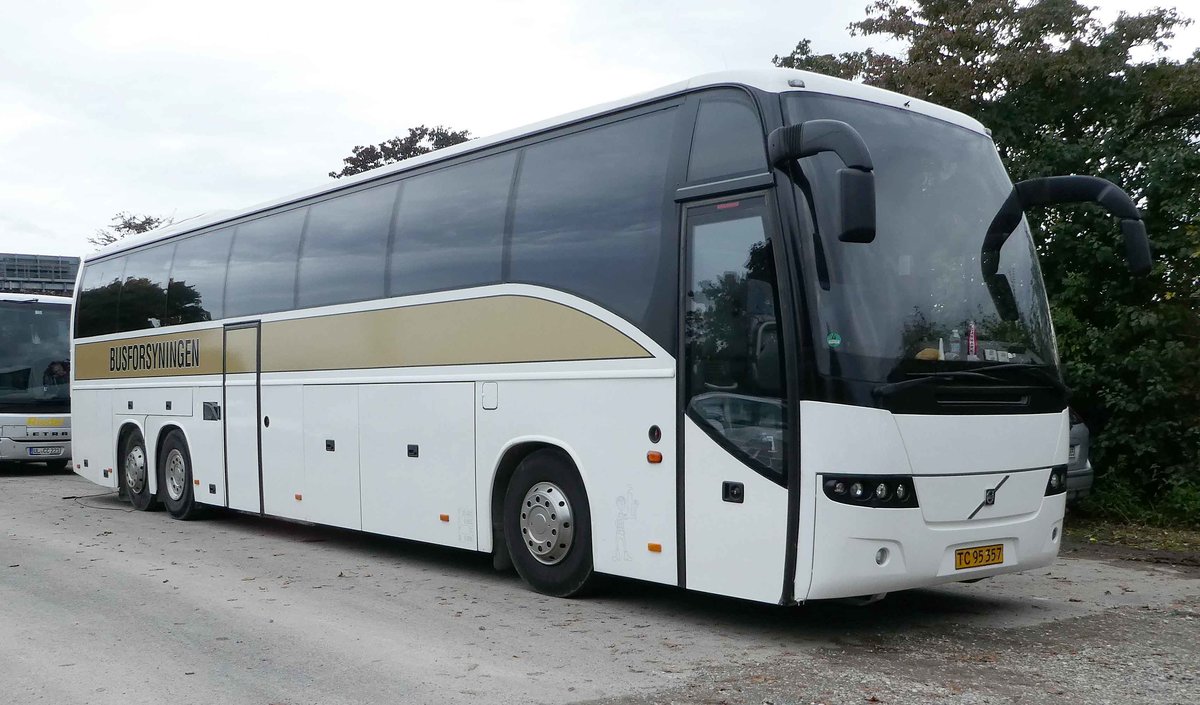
x: 340, y: 259
x: 197, y: 289
x: 588, y: 215
x: 728, y: 139
x: 144, y: 291
x: 100, y: 290
x: 262, y: 267
x: 449, y: 230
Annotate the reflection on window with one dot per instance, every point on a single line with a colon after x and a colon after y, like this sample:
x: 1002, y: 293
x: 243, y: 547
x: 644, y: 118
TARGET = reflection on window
x: 728, y: 139
x: 345, y: 247
x: 35, y: 366
x: 100, y: 290
x: 589, y: 215
x: 144, y: 292
x: 450, y: 227
x: 262, y: 267
x: 197, y: 289
x: 734, y: 359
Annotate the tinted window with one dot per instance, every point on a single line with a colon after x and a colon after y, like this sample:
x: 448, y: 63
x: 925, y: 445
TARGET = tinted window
x: 734, y: 361
x: 728, y: 137
x: 99, y: 293
x: 589, y: 215
x: 144, y: 291
x: 450, y: 225
x: 197, y: 289
x: 345, y: 248
x: 262, y: 268
x: 35, y: 359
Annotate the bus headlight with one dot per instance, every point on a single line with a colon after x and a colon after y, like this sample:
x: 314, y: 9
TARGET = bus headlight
x: 877, y: 491
x: 1057, y: 484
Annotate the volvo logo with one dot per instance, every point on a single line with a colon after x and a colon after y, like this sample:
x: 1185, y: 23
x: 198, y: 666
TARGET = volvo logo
x: 989, y: 497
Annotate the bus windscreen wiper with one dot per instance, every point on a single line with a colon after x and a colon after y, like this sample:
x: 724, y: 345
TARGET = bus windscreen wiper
x: 884, y: 390
x: 1039, y: 372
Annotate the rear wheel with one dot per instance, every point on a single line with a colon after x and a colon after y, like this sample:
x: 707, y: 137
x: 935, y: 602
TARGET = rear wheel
x: 135, y: 473
x: 547, y: 524
x: 176, y: 464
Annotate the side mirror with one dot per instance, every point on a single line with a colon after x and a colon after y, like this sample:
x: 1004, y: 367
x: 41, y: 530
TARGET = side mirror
x: 856, y: 181
x: 1055, y: 190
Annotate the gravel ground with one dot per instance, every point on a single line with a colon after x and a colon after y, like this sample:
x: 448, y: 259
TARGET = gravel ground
x: 103, y: 605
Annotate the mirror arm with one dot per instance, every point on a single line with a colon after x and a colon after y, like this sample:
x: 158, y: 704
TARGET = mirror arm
x: 813, y: 137
x: 856, y: 180
x: 1055, y: 190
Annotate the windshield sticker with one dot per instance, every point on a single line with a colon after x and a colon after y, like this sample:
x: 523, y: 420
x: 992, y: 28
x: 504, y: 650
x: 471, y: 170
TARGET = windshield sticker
x: 834, y: 339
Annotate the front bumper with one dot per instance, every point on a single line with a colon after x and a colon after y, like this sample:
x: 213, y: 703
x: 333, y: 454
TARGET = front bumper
x: 848, y: 539
x: 37, y: 451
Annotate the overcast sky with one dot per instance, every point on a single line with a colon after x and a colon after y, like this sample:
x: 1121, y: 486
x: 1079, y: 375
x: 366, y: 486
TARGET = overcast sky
x: 172, y: 109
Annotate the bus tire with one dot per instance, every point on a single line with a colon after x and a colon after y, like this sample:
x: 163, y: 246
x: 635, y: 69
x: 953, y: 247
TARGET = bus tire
x: 57, y: 465
x: 135, y: 472
x: 548, y: 524
x: 175, y: 477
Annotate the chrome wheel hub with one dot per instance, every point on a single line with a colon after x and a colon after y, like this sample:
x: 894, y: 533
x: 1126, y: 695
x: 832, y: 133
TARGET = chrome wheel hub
x: 547, y: 526
x: 135, y: 469
x: 176, y: 475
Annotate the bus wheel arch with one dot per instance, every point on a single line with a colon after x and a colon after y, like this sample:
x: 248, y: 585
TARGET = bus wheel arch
x: 544, y: 483
x: 134, y: 468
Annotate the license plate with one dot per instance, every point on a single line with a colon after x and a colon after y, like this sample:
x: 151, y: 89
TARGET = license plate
x: 45, y: 451
x: 979, y: 556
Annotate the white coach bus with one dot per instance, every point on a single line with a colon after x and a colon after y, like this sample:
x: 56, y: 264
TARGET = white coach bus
x: 660, y: 338
x: 35, y: 392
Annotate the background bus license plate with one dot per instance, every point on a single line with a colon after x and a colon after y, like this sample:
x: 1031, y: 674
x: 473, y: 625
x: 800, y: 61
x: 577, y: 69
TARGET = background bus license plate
x: 45, y: 451
x: 979, y: 556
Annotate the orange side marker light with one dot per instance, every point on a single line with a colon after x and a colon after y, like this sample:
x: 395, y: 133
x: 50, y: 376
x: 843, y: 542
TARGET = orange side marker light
x: 654, y: 547
x: 299, y: 497
x: 653, y: 456
x: 444, y: 517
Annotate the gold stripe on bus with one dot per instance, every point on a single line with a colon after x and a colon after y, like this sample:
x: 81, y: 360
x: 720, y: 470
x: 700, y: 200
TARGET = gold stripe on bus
x: 196, y: 352
x: 241, y: 350
x: 497, y: 329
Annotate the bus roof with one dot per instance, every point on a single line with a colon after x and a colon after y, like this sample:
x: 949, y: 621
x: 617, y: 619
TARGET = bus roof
x: 772, y: 80
x: 34, y: 298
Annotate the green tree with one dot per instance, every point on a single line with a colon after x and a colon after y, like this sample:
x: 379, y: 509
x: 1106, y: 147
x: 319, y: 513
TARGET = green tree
x: 124, y: 224
x: 1063, y: 95
x: 420, y: 140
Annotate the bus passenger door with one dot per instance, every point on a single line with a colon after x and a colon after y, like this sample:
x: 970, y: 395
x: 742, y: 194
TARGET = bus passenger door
x: 243, y: 458
x: 734, y: 418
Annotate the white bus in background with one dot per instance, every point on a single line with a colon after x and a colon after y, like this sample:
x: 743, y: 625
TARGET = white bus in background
x: 763, y: 334
x: 35, y: 375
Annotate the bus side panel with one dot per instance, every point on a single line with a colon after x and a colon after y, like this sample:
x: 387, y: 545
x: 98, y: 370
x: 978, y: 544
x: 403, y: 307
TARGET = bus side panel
x: 331, y: 472
x: 93, y: 443
x: 418, y: 461
x: 283, y: 451
x: 206, y: 444
x: 603, y: 424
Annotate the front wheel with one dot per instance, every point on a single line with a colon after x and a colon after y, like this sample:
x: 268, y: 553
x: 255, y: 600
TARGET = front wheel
x: 176, y: 479
x: 135, y: 473
x: 547, y: 524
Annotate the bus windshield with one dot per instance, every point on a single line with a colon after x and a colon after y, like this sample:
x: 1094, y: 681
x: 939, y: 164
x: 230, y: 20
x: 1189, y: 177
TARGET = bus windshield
x: 35, y: 361
x: 914, y: 301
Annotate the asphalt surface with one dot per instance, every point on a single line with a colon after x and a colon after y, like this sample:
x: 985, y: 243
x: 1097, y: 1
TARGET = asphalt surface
x: 101, y: 604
